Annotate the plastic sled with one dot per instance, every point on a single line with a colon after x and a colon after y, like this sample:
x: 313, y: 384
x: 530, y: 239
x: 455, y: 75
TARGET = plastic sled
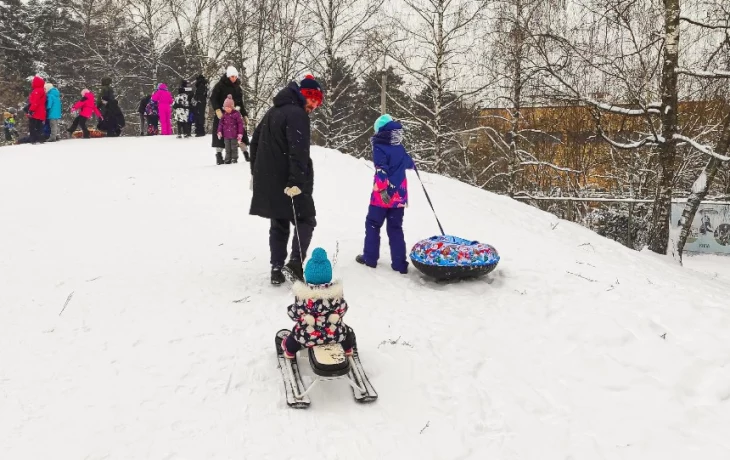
x: 448, y: 258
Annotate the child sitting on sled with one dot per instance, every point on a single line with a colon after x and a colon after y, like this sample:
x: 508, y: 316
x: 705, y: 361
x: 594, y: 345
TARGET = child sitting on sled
x: 318, y: 309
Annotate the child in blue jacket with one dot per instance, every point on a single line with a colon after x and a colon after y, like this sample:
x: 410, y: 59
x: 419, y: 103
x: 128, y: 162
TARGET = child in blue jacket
x: 389, y: 197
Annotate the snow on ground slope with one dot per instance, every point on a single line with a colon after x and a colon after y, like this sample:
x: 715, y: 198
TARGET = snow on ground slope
x: 574, y: 348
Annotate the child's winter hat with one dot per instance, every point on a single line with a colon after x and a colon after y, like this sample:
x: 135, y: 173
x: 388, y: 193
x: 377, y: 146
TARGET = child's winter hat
x: 318, y: 269
x: 231, y: 72
x: 229, y: 102
x: 48, y: 86
x: 382, y: 121
x: 311, y: 89
x: 83, y: 92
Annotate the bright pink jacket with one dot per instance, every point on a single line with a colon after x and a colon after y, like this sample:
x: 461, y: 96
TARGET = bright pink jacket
x: 163, y: 98
x: 86, y: 106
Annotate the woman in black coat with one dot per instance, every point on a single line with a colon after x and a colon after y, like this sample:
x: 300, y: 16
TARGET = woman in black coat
x: 228, y: 84
x: 283, y: 174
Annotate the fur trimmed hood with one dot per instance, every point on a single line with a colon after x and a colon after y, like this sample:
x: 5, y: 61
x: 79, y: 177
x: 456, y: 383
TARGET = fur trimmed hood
x: 304, y: 291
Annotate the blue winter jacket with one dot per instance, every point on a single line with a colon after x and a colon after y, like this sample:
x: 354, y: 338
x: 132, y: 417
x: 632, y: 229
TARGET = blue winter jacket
x: 390, y: 188
x: 53, y: 104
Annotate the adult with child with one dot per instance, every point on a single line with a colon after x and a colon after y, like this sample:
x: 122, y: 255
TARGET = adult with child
x: 283, y: 175
x: 389, y: 196
x: 229, y: 85
x: 53, y: 110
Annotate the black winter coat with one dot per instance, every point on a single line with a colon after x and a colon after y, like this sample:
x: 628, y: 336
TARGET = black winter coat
x: 114, y: 119
x: 280, y: 158
x: 142, y: 108
x: 201, y: 91
x: 220, y: 92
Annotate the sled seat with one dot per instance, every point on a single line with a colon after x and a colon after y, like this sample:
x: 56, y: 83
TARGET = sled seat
x: 329, y: 360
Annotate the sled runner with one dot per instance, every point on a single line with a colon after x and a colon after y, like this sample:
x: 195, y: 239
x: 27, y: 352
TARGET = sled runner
x: 328, y: 362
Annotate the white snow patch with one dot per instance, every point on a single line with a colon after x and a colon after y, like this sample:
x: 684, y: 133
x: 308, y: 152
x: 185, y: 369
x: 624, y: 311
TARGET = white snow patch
x: 157, y: 356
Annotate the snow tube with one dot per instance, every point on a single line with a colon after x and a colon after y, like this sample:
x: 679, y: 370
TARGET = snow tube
x: 449, y: 258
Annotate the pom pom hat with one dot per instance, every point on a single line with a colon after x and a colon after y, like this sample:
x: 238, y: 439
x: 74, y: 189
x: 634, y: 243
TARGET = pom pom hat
x: 318, y: 269
x: 229, y: 102
x: 311, y: 89
x: 382, y: 121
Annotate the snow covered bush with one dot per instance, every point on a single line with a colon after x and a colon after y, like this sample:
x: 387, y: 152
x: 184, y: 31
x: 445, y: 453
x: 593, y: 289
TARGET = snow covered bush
x: 612, y: 221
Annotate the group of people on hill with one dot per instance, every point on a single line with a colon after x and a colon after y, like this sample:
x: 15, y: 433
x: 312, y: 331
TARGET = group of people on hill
x: 44, y: 112
x: 157, y: 110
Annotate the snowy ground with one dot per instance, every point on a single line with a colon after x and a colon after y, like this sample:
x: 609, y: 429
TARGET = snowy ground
x: 574, y: 348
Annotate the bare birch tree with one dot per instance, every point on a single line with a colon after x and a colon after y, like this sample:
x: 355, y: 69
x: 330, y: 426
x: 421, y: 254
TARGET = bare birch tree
x: 439, y: 36
x: 340, y: 30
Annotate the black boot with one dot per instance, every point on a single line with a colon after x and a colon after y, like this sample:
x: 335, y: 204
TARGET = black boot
x: 277, y: 277
x: 219, y: 158
x: 294, y: 267
x: 361, y: 260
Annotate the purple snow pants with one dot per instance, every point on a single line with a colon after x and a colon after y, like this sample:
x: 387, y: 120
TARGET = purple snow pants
x: 394, y: 228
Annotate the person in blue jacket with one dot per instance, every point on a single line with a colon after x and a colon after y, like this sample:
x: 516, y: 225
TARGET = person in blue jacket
x: 389, y: 197
x: 53, y: 110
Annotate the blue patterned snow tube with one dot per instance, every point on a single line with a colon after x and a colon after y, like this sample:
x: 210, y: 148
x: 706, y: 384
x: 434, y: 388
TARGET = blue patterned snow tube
x: 450, y: 257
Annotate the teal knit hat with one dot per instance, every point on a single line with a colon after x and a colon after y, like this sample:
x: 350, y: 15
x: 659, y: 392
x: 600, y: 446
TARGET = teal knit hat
x: 382, y: 121
x: 318, y: 269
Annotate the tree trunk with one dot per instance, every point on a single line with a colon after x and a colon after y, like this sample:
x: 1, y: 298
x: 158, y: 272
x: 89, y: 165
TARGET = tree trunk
x: 701, y: 187
x: 659, y: 235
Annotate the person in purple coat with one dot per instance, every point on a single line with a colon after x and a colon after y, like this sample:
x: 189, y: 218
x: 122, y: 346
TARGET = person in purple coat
x: 389, y: 197
x: 230, y: 129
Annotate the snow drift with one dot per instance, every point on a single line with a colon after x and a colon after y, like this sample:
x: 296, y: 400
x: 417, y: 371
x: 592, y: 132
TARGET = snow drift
x: 137, y: 322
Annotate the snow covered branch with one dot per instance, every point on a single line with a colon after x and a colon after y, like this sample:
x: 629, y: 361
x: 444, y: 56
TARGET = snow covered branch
x: 706, y: 149
x: 704, y: 24
x: 652, y: 108
x: 649, y: 140
x: 716, y: 73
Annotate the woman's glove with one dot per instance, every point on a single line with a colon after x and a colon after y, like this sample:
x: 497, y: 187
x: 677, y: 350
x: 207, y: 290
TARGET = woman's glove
x: 218, y: 113
x: 291, y: 192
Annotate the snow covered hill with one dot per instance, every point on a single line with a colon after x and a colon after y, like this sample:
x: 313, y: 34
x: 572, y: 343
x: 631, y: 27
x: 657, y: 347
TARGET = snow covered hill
x: 137, y: 322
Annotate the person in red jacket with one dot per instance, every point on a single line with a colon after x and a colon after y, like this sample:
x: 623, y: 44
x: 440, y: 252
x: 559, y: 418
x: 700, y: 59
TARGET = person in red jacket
x: 85, y: 107
x: 37, y: 109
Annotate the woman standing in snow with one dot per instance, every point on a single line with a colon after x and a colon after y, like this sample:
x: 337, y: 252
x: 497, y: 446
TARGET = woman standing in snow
x: 37, y: 109
x: 164, y: 101
x: 53, y: 109
x: 229, y: 85
x: 198, y: 103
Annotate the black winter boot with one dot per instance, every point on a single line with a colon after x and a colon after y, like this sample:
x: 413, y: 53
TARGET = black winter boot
x: 294, y: 267
x: 219, y: 158
x: 277, y: 277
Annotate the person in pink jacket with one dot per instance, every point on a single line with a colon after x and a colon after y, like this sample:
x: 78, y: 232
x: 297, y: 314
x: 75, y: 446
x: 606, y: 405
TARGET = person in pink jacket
x: 164, y: 107
x: 85, y: 108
